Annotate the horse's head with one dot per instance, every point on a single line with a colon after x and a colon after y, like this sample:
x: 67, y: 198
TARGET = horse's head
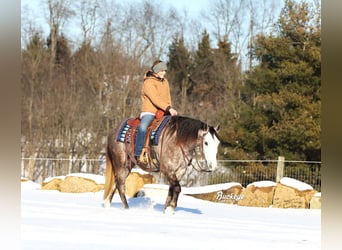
x: 210, y: 142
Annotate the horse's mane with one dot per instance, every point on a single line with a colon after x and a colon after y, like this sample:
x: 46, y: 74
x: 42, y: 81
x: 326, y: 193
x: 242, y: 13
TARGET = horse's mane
x: 185, y: 128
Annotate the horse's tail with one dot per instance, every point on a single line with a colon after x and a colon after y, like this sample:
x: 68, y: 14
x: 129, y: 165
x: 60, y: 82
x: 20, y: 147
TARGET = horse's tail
x: 110, y: 178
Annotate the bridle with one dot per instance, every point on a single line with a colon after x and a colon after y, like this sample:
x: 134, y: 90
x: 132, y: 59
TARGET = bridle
x: 197, y: 153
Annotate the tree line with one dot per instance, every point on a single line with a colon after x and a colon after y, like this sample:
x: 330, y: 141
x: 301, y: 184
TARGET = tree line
x: 73, y: 94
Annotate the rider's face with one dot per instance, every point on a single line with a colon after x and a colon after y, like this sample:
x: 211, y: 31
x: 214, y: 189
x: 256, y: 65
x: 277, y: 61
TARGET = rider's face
x: 161, y: 74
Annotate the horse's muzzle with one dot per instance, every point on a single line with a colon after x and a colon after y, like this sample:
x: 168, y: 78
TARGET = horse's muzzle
x: 212, y: 166
x: 208, y: 166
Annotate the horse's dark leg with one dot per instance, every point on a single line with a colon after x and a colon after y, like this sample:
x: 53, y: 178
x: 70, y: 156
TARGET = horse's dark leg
x: 109, y: 198
x: 120, y: 184
x: 176, y: 191
x: 172, y: 197
x: 112, y: 194
x: 120, y: 179
x: 169, y: 197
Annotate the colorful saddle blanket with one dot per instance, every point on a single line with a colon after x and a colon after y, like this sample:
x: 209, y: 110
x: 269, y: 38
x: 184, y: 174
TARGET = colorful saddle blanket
x: 128, y: 128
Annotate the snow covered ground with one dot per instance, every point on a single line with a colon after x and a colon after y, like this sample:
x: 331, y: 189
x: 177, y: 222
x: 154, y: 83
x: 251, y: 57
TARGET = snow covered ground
x: 54, y: 220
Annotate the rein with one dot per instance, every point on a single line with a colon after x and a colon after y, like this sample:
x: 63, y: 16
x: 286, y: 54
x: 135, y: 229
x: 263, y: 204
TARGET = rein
x: 199, y: 149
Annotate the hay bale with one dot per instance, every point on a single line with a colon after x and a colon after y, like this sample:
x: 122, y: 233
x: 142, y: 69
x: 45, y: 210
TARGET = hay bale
x: 291, y: 193
x: 52, y: 183
x: 316, y: 202
x: 76, y: 183
x: 24, y: 179
x: 223, y: 193
x: 258, y: 194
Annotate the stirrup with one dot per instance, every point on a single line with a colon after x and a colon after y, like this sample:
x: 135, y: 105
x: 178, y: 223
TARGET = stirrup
x: 143, y: 158
x: 143, y: 162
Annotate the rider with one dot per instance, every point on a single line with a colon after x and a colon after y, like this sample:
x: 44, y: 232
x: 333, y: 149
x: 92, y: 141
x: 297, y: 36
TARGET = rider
x: 155, y: 95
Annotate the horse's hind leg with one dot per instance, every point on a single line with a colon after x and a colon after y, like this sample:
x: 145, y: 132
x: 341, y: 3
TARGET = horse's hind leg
x: 109, y: 198
x: 120, y: 179
x: 120, y: 184
x: 121, y: 187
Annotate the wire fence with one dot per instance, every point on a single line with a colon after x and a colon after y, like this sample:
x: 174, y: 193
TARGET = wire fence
x: 241, y: 171
x: 39, y: 168
x: 246, y: 172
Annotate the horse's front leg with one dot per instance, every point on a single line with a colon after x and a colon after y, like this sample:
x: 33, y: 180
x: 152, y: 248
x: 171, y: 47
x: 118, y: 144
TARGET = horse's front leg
x: 172, y: 198
x: 169, y: 197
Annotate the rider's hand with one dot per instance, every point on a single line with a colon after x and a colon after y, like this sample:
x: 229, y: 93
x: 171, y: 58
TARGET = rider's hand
x: 173, y: 111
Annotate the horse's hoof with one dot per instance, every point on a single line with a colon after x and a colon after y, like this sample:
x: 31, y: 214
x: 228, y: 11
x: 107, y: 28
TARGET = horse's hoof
x: 169, y: 210
x: 106, y: 204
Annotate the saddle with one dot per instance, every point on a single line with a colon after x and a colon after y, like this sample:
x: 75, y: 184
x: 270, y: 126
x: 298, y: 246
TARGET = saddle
x: 127, y: 135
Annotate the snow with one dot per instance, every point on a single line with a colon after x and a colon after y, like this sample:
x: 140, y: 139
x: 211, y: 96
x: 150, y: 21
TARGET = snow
x: 47, y: 180
x: 98, y: 179
x: 261, y: 184
x: 295, y: 184
x: 209, y: 188
x: 54, y: 220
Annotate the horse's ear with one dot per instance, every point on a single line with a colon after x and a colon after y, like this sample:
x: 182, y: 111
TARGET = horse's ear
x: 202, y: 132
x: 217, y: 127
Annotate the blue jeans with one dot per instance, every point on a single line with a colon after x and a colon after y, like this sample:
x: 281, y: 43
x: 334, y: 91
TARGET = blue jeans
x: 140, y: 138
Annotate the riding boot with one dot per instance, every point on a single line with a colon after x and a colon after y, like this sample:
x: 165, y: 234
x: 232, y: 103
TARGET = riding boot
x: 144, y: 160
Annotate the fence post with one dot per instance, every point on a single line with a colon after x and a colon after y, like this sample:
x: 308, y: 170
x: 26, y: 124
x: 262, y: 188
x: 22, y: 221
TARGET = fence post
x: 280, y: 168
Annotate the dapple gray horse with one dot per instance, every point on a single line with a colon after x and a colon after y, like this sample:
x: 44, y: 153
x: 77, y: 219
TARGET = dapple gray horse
x: 184, y: 142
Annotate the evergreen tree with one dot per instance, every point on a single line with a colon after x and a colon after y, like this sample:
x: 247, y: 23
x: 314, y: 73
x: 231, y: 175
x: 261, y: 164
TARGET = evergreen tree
x: 284, y: 89
x: 179, y: 73
x: 217, y: 78
x: 203, y: 65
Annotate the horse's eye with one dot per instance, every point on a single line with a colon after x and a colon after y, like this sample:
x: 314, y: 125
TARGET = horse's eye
x: 206, y: 143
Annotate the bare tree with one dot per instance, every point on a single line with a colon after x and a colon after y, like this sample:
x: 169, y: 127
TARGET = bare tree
x: 239, y: 21
x: 261, y: 20
x: 143, y: 29
x: 58, y: 13
x: 88, y: 14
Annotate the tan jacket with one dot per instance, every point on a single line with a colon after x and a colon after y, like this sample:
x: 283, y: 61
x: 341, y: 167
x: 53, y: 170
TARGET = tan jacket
x: 155, y: 94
